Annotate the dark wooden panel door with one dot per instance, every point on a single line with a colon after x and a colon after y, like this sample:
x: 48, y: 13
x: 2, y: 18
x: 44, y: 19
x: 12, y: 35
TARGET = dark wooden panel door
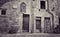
x: 25, y: 23
x: 38, y: 24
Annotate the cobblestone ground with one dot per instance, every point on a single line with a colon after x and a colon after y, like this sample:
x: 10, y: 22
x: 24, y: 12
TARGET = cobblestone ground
x: 29, y: 35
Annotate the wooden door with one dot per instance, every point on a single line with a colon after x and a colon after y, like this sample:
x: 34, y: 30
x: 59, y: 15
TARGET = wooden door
x: 38, y: 24
x: 25, y: 23
x: 47, y: 25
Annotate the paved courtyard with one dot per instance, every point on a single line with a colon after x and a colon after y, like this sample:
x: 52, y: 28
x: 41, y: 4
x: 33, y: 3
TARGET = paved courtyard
x: 29, y: 35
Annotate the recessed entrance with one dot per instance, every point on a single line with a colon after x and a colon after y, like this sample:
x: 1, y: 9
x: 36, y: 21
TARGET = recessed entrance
x: 47, y: 25
x: 25, y: 23
x: 38, y: 24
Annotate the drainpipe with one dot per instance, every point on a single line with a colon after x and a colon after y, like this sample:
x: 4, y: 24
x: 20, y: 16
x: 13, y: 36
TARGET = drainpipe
x: 51, y: 14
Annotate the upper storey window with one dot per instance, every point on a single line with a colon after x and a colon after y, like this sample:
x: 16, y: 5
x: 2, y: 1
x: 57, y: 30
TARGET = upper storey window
x: 23, y: 7
x: 42, y: 4
x: 33, y: 0
x: 3, y: 12
x: 52, y: 0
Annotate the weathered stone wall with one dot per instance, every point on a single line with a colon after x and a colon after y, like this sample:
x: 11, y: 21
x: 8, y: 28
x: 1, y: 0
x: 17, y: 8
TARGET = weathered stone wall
x: 53, y: 10
x: 14, y: 14
x: 13, y: 11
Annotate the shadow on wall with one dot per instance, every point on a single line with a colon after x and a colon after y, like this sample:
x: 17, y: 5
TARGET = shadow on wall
x: 57, y: 30
x: 13, y: 29
x: 7, y: 27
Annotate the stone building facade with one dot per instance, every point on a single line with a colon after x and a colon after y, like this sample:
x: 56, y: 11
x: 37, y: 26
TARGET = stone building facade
x: 37, y: 16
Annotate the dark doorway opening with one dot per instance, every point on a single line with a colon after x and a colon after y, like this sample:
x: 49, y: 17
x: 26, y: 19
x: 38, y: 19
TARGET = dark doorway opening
x: 38, y: 24
x: 25, y: 23
x: 59, y: 20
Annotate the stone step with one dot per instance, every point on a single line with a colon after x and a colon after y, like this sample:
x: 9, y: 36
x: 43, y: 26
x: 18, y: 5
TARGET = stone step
x: 30, y: 35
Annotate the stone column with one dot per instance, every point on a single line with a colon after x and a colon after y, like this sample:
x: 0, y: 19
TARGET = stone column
x: 42, y: 25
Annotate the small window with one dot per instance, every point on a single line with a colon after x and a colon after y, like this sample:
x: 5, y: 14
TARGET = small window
x: 3, y: 12
x: 42, y: 3
x: 33, y: 0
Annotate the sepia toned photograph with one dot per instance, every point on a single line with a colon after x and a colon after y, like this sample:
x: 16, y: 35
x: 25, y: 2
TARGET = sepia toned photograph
x: 29, y: 18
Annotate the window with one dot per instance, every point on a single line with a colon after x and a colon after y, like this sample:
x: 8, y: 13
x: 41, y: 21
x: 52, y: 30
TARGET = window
x: 38, y: 24
x: 33, y: 0
x: 42, y: 4
x: 23, y: 7
x: 3, y: 12
x: 25, y: 23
